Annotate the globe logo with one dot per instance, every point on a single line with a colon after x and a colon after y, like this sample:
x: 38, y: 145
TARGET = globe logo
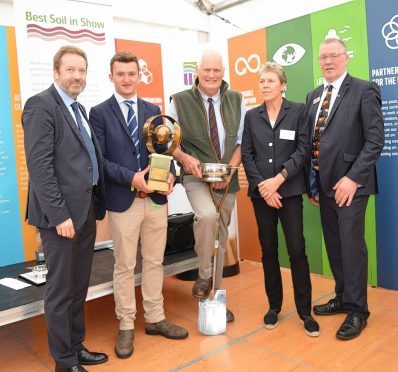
x: 289, y: 54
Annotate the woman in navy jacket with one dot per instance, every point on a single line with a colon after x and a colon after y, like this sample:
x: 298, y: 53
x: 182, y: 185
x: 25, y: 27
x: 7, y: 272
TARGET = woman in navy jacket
x: 275, y: 148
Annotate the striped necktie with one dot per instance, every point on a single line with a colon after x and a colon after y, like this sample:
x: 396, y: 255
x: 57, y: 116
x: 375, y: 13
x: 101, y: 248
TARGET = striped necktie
x: 213, y: 129
x: 88, y: 143
x: 133, y: 128
x: 320, y: 127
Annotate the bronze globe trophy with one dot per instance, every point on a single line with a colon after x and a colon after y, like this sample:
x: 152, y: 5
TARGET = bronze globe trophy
x: 160, y: 163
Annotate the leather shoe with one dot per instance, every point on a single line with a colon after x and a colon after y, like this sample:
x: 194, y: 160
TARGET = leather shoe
x: 333, y: 306
x: 166, y: 329
x: 90, y: 358
x: 351, y: 327
x: 201, y: 288
x: 76, y: 368
x: 124, y: 346
x: 230, y: 316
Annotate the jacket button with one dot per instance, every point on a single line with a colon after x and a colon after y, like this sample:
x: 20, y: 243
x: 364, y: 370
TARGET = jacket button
x: 270, y: 144
x: 270, y: 160
x: 90, y: 169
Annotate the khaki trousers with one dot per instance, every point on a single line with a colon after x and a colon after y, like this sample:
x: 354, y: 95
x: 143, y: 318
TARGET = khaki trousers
x: 204, y: 226
x: 146, y: 221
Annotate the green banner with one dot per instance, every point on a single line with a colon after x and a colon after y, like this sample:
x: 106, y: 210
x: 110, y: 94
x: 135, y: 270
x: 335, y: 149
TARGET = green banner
x: 290, y: 44
x: 348, y: 23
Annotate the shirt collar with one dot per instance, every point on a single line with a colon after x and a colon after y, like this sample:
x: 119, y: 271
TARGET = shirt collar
x: 120, y: 99
x: 216, y: 97
x: 337, y: 83
x: 67, y: 99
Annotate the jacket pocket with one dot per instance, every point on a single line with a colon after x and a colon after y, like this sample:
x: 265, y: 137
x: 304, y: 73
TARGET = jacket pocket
x: 350, y: 157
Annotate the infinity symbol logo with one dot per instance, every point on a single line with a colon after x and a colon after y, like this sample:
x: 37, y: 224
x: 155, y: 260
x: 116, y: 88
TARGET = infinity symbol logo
x: 242, y: 65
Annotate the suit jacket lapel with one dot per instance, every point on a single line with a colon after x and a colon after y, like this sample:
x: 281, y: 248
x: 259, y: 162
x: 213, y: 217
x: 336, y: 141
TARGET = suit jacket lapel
x: 340, y: 95
x: 67, y: 114
x: 118, y: 113
x: 282, y: 112
x: 264, y: 114
x: 141, y: 121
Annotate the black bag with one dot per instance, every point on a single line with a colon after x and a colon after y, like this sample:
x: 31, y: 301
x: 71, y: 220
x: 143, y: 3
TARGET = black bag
x: 180, y: 233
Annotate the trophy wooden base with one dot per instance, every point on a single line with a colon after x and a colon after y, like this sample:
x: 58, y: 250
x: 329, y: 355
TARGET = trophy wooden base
x: 158, y: 185
x: 159, y: 172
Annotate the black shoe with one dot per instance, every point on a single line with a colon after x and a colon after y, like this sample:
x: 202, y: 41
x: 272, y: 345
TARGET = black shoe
x: 271, y: 319
x: 351, y: 327
x: 90, y: 358
x: 76, y: 368
x: 202, y: 287
x: 230, y: 316
x: 311, y: 326
x: 334, y: 306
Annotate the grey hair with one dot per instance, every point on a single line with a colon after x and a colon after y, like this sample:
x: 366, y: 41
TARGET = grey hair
x: 210, y: 52
x: 334, y: 40
x: 275, y: 68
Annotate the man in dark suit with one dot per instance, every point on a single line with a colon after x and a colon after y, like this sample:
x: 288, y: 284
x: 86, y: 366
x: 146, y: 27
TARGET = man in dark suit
x: 135, y: 211
x: 66, y: 187
x: 347, y: 139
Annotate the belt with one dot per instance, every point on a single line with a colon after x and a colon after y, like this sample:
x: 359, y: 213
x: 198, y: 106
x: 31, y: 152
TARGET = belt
x: 141, y: 194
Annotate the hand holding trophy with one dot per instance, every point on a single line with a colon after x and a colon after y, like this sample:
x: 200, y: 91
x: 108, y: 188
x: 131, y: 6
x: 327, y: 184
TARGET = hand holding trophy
x: 160, y: 163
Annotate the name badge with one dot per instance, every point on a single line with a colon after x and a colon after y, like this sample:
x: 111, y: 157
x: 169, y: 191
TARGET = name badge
x: 287, y: 134
x: 316, y: 100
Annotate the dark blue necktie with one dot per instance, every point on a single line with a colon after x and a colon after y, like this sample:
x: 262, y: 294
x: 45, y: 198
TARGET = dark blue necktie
x: 133, y: 128
x: 87, y: 142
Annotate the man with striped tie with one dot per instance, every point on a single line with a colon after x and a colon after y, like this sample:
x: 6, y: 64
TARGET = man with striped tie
x: 136, y: 213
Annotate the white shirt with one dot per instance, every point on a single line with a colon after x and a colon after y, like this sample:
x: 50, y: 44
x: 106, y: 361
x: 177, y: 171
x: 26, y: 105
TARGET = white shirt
x: 120, y: 100
x: 217, y: 109
x: 68, y: 102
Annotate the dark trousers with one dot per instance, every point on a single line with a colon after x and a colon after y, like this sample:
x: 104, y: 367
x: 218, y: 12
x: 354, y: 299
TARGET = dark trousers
x: 291, y: 217
x: 344, y: 233
x: 69, y: 265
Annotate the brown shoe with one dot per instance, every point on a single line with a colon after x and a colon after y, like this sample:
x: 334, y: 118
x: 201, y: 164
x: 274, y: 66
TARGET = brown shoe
x: 230, y: 316
x: 166, y: 329
x: 124, y: 346
x: 201, y: 288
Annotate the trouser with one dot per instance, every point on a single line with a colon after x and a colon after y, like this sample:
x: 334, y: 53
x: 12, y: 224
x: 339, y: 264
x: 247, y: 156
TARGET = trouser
x: 291, y: 217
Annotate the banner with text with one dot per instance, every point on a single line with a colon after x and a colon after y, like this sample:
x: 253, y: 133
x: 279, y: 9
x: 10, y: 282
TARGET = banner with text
x: 382, y: 21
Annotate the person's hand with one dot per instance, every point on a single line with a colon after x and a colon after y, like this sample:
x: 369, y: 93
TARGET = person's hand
x: 191, y: 165
x: 313, y: 201
x: 139, y: 182
x: 274, y: 201
x: 219, y: 185
x: 66, y: 229
x: 345, y: 190
x: 269, y: 186
x: 170, y: 181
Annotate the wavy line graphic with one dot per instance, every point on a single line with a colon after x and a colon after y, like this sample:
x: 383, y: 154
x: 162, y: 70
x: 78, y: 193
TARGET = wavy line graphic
x: 55, y: 33
x: 61, y: 37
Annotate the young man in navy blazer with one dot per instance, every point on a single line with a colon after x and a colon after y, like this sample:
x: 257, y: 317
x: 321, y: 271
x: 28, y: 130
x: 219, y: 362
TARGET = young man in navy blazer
x: 136, y: 213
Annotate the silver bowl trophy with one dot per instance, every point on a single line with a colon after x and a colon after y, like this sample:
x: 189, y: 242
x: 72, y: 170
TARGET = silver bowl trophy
x: 160, y: 163
x: 212, y: 311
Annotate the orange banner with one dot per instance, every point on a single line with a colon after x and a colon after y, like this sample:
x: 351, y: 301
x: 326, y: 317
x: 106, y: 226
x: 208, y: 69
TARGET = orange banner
x: 28, y: 232
x: 246, y: 54
x: 150, y: 59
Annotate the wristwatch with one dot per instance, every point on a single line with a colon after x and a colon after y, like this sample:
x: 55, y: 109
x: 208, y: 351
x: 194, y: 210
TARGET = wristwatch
x: 284, y: 173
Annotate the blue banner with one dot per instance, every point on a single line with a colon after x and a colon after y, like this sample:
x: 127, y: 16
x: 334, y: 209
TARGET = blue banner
x: 382, y: 25
x: 10, y: 222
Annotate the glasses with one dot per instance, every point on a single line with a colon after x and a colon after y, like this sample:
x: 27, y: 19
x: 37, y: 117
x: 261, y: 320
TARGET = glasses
x: 323, y: 58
